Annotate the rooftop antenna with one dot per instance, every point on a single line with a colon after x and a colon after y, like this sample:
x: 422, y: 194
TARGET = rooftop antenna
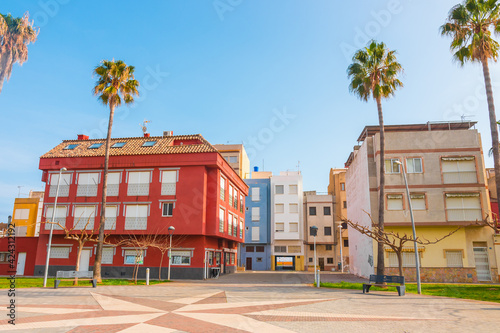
x: 143, y: 126
x: 465, y: 116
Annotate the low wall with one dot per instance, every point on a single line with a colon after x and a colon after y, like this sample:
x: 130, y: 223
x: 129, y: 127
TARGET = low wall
x: 441, y: 274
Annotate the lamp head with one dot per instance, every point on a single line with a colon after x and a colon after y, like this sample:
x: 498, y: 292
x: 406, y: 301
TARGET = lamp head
x: 64, y: 169
x: 398, y: 162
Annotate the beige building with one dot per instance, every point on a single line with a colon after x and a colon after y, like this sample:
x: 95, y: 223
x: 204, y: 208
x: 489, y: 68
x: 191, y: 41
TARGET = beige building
x: 237, y: 158
x: 319, y: 212
x: 448, y: 189
x: 336, y: 188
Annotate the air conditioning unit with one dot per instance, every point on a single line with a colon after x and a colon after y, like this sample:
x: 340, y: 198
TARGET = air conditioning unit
x: 168, y: 133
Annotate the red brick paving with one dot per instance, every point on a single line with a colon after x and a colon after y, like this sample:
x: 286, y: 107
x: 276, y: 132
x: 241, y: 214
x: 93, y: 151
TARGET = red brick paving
x: 181, y: 323
x: 100, y: 328
x: 152, y: 303
x: 217, y: 298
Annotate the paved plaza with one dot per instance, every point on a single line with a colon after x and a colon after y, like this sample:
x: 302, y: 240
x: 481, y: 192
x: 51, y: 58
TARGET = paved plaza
x: 244, y: 302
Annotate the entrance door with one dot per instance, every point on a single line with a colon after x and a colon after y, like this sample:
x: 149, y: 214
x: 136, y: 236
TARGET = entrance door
x: 482, y: 263
x: 321, y: 262
x: 21, y: 261
x: 84, y: 260
x: 248, y: 266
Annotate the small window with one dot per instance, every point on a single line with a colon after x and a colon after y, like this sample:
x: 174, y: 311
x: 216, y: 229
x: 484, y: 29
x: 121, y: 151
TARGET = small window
x: 327, y: 211
x: 250, y: 249
x: 118, y: 145
x: 259, y: 249
x: 391, y: 166
x: 259, y: 259
x: 168, y: 208
x: 280, y: 227
x: 181, y: 258
x: 280, y: 189
x: 71, y: 147
x: 312, y: 211
x: 4, y: 257
x: 345, y: 204
x: 328, y: 247
x: 311, y: 247
x: 280, y: 208
x: 292, y: 189
x: 280, y: 249
x: 294, y: 227
x: 149, y: 144
x: 233, y: 159
x: 418, y: 201
x: 394, y: 202
x: 414, y: 165
x: 454, y: 258
x: 95, y: 145
x: 346, y: 243
x: 328, y: 231
x: 310, y: 259
x: 342, y: 186
x: 329, y: 261
x: 294, y: 208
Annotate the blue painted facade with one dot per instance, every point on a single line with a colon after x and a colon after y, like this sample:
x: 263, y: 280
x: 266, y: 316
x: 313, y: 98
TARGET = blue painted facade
x: 256, y: 253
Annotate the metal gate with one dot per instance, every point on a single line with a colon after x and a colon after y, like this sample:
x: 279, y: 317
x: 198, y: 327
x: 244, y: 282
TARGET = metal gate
x: 482, y: 264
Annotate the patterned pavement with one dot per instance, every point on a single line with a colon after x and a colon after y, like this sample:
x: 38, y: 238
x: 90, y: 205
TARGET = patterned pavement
x: 218, y: 307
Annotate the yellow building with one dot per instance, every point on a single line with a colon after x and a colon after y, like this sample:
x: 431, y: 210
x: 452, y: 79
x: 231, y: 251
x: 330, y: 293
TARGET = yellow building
x: 448, y: 190
x: 27, y: 214
x: 237, y: 158
x: 337, y: 189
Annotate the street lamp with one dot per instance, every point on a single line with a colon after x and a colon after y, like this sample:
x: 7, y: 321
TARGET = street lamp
x: 417, y: 261
x: 314, y: 232
x: 170, y: 231
x: 52, y: 228
x: 340, y: 243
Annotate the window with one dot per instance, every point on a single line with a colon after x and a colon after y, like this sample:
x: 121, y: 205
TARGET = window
x: 168, y: 208
x: 60, y: 252
x: 149, y: 144
x: 391, y: 166
x: 110, y: 217
x: 231, y: 197
x: 328, y: 247
x: 217, y: 258
x: 345, y: 204
x: 210, y: 258
x: 181, y: 258
x: 235, y: 198
x: 394, y: 202
x: 61, y: 212
x: 312, y: 211
x: 463, y: 207
x: 242, y: 203
x: 250, y: 249
x: 342, y: 186
x: 87, y: 184
x: 293, y: 249
x: 408, y: 259
x: 329, y: 261
x: 280, y: 189
x: 255, y: 193
x: 95, y: 145
x: 4, y: 257
x: 222, y: 218
x: 279, y: 208
x: 132, y: 257
x: 294, y: 208
x: 259, y: 249
x: 168, y: 182
x: 346, y: 243
x: 232, y: 258
x: 63, y: 184
x: 136, y: 217
x: 459, y: 170
x: 311, y: 247
x: 107, y: 255
x: 241, y: 229
x: 84, y: 217
x: 454, y: 258
x: 223, y: 188
x: 113, y: 184
x: 310, y: 259
x: 118, y: 144
x: 414, y: 165
x: 138, y: 183
x: 255, y: 234
x: 418, y: 201
x: 259, y: 259
x: 280, y: 249
x: 229, y: 224
x: 71, y: 147
x: 294, y: 227
x: 255, y: 213
x: 327, y: 211
x: 280, y: 227
x: 22, y: 214
x: 328, y: 231
x: 233, y: 159
x: 292, y: 189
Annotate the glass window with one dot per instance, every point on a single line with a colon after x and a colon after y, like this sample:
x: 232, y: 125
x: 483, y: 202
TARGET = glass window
x: 280, y: 189
x: 310, y: 259
x: 87, y: 184
x: 168, y: 208
x: 222, y: 188
x: 233, y: 159
x: 454, y: 258
x: 328, y: 247
x: 255, y: 234
x: 148, y: 143
x: 280, y: 249
x: 280, y: 227
x: 394, y: 202
x: 168, y: 182
x: 418, y: 201
x: 414, y: 165
x: 346, y: 243
x: 255, y: 193
x: 391, y: 166
x: 71, y: 146
x: 329, y: 260
x: 311, y: 247
x: 181, y: 258
x: 222, y: 219
x: 342, y: 186
x: 312, y: 211
x: 259, y: 249
x: 463, y: 207
x: 136, y: 217
x: 345, y: 204
x: 138, y: 183
x: 294, y: 227
x: 294, y: 208
x: 60, y: 216
x: 95, y: 145
x: 110, y: 217
x: 328, y: 231
x: 84, y: 217
x: 327, y: 211
x: 280, y: 208
x: 250, y: 249
x: 107, y: 255
x: 118, y: 144
x: 255, y: 214
x: 459, y: 170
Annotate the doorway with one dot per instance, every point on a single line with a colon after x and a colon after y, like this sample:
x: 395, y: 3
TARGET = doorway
x: 21, y: 263
x: 248, y: 266
x: 321, y: 264
x: 482, y: 263
x: 84, y: 260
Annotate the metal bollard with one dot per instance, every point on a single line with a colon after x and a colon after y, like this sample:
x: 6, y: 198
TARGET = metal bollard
x: 318, y: 280
x: 147, y: 276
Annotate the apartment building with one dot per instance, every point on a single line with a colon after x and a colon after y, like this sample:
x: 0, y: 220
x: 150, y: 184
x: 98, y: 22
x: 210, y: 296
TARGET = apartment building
x: 337, y: 188
x: 448, y: 189
x: 237, y: 158
x: 319, y: 212
x: 27, y: 214
x: 287, y: 228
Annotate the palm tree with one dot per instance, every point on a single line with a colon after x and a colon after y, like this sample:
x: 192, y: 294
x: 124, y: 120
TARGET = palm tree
x: 115, y: 84
x: 15, y: 35
x: 374, y: 74
x: 470, y: 25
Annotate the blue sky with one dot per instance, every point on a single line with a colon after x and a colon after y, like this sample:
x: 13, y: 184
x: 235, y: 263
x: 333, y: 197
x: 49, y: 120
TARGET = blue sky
x: 270, y: 74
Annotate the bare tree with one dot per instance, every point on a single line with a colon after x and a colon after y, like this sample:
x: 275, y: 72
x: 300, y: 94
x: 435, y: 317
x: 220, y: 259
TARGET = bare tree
x: 491, y: 223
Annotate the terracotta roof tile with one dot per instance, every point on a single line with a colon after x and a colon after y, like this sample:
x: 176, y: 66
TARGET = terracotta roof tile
x: 133, y: 146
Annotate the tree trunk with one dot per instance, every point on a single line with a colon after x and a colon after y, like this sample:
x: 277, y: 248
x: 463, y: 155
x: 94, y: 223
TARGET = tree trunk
x: 161, y: 261
x: 5, y: 63
x: 78, y: 256
x: 400, y: 263
x: 493, y: 124
x: 100, y: 239
x: 381, y: 199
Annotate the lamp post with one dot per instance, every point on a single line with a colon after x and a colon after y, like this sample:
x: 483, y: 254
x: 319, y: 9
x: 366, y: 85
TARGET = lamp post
x: 314, y: 232
x: 170, y: 231
x: 52, y: 229
x: 417, y: 261
x: 340, y: 243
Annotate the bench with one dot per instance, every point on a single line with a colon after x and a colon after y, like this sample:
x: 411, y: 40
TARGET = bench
x: 73, y: 275
x: 378, y: 280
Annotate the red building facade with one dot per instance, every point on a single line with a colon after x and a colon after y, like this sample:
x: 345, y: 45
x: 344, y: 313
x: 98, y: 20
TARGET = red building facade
x: 154, y: 183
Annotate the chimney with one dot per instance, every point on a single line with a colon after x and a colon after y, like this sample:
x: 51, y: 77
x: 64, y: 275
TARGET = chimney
x: 83, y: 137
x: 147, y: 135
x: 168, y: 133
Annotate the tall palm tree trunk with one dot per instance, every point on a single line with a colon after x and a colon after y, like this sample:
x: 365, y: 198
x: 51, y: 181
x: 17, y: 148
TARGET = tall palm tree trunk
x: 381, y: 206
x: 5, y: 62
x: 98, y: 256
x: 493, y: 123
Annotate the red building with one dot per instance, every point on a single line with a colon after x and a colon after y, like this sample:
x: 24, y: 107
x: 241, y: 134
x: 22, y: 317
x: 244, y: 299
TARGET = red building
x: 153, y: 183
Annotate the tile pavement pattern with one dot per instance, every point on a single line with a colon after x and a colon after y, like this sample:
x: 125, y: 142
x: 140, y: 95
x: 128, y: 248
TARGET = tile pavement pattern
x: 229, y: 307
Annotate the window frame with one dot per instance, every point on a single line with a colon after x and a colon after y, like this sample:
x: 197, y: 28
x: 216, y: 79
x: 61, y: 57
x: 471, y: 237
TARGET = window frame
x: 401, y: 195
x: 392, y: 162
x: 414, y: 158
x: 311, y: 210
x: 166, y: 203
